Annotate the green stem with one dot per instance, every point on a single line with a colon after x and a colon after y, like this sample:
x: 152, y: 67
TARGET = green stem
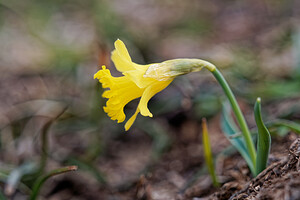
x: 238, y: 113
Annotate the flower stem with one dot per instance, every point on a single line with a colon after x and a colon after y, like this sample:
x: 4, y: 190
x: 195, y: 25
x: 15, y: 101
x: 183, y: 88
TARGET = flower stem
x: 238, y: 113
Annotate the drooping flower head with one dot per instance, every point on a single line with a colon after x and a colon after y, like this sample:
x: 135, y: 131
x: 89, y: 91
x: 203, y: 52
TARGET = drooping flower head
x: 139, y: 81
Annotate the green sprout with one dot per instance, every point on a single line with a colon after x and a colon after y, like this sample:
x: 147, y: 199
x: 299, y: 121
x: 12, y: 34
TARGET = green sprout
x: 208, y: 154
x: 263, y: 140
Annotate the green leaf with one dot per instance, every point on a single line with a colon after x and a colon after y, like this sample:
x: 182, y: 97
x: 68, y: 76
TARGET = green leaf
x: 42, y: 179
x: 89, y: 167
x: 293, y: 126
x: 229, y: 128
x: 207, y: 154
x: 263, y: 140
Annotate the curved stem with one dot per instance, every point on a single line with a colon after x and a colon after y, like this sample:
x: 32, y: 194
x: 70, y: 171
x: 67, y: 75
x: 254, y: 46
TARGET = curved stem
x: 238, y: 113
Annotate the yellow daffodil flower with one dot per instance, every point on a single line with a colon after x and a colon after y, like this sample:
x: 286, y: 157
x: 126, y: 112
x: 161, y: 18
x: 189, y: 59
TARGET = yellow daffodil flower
x: 139, y: 81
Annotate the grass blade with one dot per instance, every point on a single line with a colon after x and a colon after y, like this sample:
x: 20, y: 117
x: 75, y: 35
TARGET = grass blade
x: 293, y: 126
x: 263, y: 139
x: 89, y: 167
x: 41, y: 180
x: 207, y: 153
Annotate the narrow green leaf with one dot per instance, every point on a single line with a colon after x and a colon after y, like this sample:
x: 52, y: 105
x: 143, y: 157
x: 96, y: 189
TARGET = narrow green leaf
x: 89, y: 167
x: 229, y: 128
x: 285, y: 123
x: 278, y: 124
x: 44, y: 138
x: 207, y: 153
x: 263, y: 140
x: 41, y: 180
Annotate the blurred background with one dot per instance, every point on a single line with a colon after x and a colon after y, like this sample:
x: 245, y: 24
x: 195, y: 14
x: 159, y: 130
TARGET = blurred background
x: 51, y: 107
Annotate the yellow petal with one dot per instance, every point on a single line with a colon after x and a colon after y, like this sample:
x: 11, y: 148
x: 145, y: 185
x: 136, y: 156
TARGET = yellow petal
x: 121, y: 58
x: 137, y: 76
x: 149, y: 93
x: 122, y: 50
x: 131, y: 120
x: 121, y: 64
